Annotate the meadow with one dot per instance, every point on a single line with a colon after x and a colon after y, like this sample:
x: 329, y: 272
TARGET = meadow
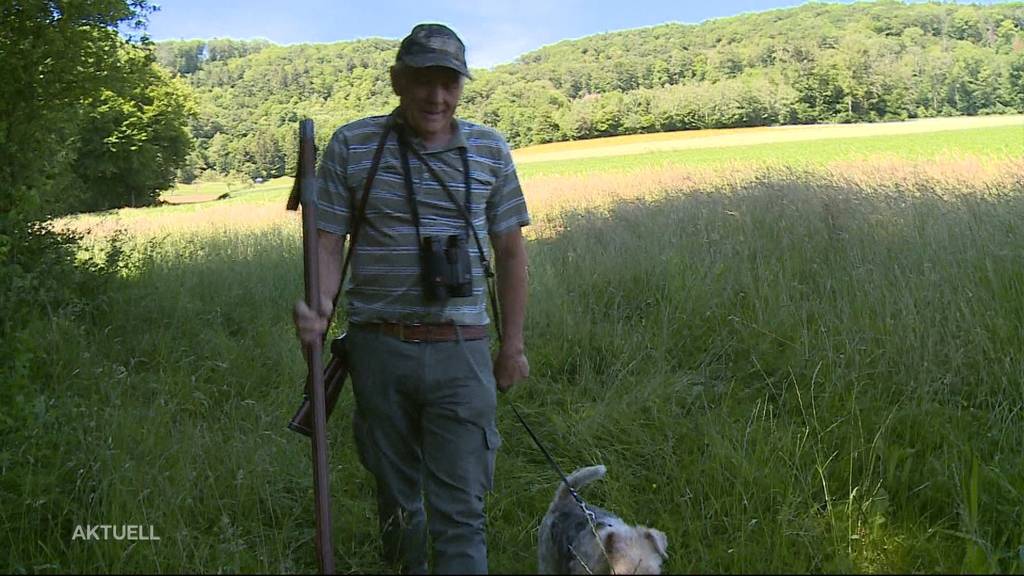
x: 792, y: 357
x: 596, y: 173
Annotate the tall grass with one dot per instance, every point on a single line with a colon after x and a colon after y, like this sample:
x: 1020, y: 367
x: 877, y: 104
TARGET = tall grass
x: 795, y: 370
x: 795, y: 374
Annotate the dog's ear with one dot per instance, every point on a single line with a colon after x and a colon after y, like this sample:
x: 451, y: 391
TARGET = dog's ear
x: 660, y: 541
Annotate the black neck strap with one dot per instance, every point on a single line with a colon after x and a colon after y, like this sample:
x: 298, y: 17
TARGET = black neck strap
x: 360, y: 212
x: 410, y: 190
x: 403, y: 146
x: 464, y: 210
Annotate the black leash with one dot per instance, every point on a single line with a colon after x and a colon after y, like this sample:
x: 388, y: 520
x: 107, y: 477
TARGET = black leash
x: 575, y: 496
x: 554, y: 464
x: 489, y: 274
x: 464, y: 211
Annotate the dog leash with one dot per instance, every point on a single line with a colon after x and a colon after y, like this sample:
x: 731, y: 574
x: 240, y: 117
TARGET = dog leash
x: 489, y: 275
x: 572, y: 491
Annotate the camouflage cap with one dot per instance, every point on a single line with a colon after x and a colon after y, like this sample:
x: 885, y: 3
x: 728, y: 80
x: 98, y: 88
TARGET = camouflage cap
x: 433, y: 45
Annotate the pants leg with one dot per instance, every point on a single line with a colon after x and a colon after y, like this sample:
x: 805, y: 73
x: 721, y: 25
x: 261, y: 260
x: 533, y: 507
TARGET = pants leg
x: 459, y: 443
x: 386, y: 425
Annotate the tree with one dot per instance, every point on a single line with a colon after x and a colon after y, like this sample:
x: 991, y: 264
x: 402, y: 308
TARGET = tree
x: 181, y: 57
x: 71, y: 81
x: 134, y: 138
x: 55, y: 56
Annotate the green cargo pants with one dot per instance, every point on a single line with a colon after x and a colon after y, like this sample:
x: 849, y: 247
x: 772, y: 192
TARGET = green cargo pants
x: 424, y: 426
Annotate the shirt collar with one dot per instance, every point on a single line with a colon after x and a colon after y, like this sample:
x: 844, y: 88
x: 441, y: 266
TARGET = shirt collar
x: 458, y: 139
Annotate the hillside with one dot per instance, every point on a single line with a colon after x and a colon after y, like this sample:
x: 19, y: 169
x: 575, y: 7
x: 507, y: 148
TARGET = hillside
x: 811, y: 64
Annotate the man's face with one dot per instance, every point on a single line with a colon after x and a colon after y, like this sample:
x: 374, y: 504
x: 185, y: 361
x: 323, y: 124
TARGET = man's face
x: 428, y: 97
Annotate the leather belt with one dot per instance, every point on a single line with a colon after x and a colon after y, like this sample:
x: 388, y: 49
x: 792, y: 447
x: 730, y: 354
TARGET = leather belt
x: 427, y: 332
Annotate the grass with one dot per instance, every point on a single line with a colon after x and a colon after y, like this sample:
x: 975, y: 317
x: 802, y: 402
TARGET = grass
x: 798, y: 377
x: 235, y: 188
x: 786, y: 369
x: 251, y: 208
x: 993, y: 142
x: 596, y: 179
x: 725, y: 137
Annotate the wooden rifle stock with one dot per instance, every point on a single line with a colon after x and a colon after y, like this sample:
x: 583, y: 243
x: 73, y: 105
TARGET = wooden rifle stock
x: 335, y: 374
x: 304, y: 192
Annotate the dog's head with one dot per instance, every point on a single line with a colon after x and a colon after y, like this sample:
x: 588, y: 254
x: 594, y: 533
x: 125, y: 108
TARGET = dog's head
x: 635, y: 549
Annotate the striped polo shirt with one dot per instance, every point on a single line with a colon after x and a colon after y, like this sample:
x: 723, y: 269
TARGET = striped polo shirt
x: 385, y: 281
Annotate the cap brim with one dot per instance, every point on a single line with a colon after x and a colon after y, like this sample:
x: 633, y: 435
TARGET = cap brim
x: 425, y: 60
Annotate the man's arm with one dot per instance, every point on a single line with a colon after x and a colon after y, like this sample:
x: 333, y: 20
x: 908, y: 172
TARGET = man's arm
x: 333, y: 200
x: 511, y: 365
x: 309, y: 326
x: 331, y: 247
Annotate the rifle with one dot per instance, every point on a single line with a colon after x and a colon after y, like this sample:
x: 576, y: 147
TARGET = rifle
x: 305, y: 185
x: 337, y: 367
x: 335, y: 374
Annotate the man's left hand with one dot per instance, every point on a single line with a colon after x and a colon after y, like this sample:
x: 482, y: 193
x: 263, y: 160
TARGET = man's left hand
x: 510, y: 367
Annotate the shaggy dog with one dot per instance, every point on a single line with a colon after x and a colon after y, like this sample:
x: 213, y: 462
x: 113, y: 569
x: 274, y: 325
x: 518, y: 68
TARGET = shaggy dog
x: 569, y: 544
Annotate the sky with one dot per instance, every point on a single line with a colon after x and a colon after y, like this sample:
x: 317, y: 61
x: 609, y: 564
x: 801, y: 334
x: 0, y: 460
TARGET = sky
x: 494, y: 31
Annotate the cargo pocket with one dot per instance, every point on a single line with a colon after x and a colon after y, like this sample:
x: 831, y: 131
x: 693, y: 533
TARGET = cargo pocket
x: 492, y: 440
x: 365, y: 448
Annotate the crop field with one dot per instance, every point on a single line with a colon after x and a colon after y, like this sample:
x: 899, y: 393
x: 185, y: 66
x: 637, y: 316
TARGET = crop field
x: 988, y: 142
x: 795, y: 355
x: 721, y: 138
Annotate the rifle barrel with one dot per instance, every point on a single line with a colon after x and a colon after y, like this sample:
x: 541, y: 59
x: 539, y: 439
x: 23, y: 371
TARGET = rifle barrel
x: 306, y: 186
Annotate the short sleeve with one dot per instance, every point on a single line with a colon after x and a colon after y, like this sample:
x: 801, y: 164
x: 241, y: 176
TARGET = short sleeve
x: 333, y: 196
x: 506, y: 206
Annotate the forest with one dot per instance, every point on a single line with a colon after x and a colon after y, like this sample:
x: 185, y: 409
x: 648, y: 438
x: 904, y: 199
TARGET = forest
x: 815, y: 63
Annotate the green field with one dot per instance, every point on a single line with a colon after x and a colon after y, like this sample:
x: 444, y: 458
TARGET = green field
x: 249, y: 191
x: 996, y: 142
x: 800, y: 372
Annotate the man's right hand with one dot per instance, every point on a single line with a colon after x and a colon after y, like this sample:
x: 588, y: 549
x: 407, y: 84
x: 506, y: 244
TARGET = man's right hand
x: 310, y: 326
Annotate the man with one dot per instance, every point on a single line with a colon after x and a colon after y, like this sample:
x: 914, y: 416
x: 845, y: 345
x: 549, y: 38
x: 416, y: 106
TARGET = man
x: 422, y: 373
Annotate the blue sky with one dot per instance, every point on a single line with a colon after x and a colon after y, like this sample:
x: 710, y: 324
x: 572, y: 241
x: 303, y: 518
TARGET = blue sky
x: 495, y: 31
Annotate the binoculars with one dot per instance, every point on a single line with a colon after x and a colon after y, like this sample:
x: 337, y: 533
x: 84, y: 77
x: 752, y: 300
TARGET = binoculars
x: 447, y: 272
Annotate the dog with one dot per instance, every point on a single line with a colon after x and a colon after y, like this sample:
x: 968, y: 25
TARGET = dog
x: 567, y: 542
